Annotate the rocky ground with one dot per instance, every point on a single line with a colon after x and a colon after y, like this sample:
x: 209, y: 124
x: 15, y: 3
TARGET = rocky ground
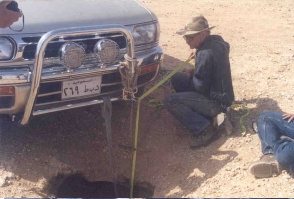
x: 261, y: 35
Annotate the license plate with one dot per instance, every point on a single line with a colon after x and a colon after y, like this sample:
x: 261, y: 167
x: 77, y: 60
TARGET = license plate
x: 81, y: 87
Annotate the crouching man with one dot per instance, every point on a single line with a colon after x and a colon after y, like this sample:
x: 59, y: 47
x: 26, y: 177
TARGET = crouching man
x: 203, y: 93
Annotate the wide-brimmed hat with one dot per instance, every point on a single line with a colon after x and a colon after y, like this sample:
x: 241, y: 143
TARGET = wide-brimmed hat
x: 196, y: 24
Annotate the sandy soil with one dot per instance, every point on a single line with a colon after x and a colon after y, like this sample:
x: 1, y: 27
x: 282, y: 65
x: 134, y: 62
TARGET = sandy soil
x: 261, y: 35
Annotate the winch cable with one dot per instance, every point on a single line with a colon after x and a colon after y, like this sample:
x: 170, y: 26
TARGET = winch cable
x: 138, y: 114
x: 106, y: 114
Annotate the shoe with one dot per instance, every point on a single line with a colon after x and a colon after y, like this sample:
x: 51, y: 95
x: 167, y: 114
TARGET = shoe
x: 226, y: 126
x: 205, y: 137
x: 266, y: 167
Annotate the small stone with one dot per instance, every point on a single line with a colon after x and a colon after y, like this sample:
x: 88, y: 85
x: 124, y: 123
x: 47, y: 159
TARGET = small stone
x: 287, y: 177
x: 2, y: 181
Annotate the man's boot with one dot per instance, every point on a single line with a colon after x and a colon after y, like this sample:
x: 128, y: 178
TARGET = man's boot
x: 209, y: 134
x: 266, y: 167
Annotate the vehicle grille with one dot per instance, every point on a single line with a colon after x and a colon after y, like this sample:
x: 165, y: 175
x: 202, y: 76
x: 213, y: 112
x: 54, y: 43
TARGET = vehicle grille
x: 53, y: 89
x: 52, y: 50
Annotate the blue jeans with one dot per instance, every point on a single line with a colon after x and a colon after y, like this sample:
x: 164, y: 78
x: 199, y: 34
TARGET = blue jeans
x: 271, y: 126
x: 192, y: 109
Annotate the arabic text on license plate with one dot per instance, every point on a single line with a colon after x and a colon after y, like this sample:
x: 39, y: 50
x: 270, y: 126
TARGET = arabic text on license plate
x: 81, y: 87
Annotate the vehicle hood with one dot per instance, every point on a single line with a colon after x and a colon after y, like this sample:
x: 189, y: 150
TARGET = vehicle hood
x: 45, y: 15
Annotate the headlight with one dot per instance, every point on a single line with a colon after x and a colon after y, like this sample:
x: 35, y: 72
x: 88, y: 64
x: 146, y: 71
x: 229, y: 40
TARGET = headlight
x: 144, y: 34
x: 6, y: 49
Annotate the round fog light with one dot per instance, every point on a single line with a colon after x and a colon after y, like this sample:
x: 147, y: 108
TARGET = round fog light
x: 72, y: 55
x: 107, y: 51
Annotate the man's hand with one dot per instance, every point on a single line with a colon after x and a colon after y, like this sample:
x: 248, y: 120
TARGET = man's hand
x: 288, y: 117
x: 192, y: 55
x: 189, y: 72
x: 7, y: 17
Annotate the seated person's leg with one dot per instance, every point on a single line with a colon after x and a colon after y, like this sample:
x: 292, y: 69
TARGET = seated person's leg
x: 269, y: 130
x: 271, y: 126
x: 284, y: 152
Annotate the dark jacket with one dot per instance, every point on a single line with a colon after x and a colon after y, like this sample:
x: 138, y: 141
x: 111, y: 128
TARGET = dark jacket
x: 212, y: 70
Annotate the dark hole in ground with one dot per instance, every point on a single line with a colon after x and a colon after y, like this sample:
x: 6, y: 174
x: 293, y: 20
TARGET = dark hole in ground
x: 77, y: 186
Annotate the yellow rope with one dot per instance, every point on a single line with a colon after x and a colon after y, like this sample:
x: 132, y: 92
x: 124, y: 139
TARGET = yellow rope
x: 138, y: 115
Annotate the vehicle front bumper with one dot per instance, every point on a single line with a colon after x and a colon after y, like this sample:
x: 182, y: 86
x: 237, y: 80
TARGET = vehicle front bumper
x: 20, y: 79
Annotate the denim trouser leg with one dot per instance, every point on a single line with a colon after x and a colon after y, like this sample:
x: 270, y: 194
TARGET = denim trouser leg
x: 271, y: 126
x: 192, y: 109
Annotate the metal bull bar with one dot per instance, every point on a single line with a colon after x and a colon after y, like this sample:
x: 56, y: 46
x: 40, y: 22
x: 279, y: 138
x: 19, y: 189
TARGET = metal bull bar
x: 131, y: 62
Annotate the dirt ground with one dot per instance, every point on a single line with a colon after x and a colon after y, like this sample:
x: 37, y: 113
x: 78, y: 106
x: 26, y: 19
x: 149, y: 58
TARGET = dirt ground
x: 261, y: 35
